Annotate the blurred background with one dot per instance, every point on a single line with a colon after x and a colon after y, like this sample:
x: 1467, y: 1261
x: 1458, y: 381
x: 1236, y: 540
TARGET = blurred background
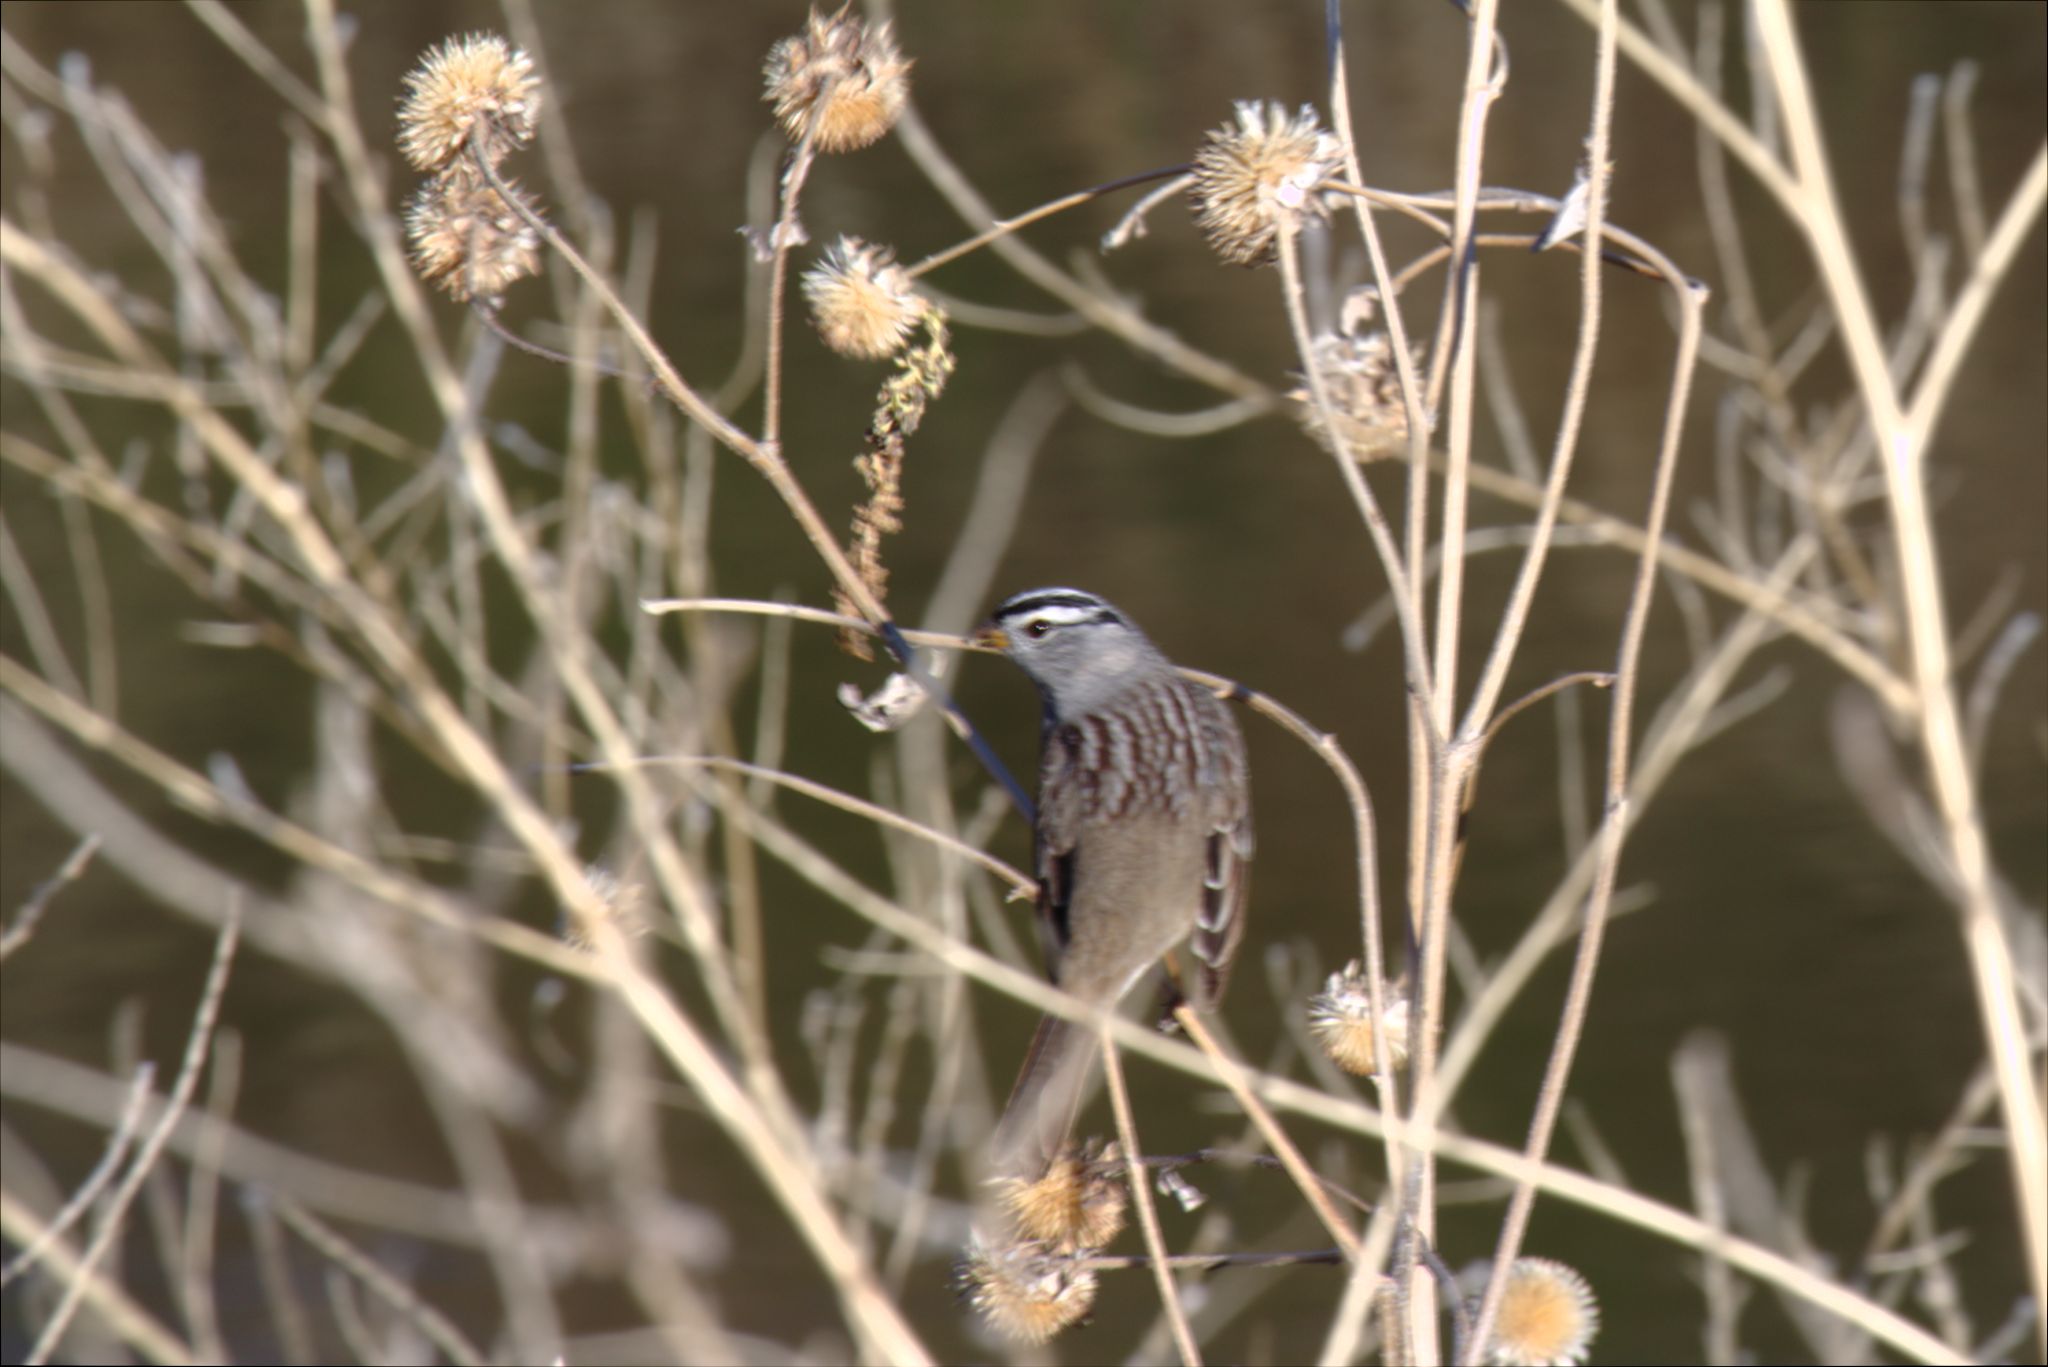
x: 1771, y: 909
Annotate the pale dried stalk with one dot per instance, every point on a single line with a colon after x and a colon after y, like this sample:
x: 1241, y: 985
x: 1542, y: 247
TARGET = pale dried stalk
x: 1902, y: 436
x: 1141, y: 1198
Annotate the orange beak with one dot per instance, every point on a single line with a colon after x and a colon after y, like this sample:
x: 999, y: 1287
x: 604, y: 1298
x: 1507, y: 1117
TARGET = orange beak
x: 992, y: 638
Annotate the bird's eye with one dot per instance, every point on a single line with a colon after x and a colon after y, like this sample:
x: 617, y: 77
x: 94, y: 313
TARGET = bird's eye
x: 1038, y: 629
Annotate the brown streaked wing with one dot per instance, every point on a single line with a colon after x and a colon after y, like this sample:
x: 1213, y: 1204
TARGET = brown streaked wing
x: 1226, y: 882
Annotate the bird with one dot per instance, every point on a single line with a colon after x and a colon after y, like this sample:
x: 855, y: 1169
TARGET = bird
x: 1142, y: 837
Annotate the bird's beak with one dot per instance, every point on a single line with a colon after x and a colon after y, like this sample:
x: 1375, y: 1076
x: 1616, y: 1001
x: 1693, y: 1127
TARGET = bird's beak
x: 992, y: 638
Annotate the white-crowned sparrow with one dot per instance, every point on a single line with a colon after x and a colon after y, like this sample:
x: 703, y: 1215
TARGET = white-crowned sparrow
x: 1144, y: 835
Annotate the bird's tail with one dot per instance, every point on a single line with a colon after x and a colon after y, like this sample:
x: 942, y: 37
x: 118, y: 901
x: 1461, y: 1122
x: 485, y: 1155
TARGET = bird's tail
x: 1046, y: 1101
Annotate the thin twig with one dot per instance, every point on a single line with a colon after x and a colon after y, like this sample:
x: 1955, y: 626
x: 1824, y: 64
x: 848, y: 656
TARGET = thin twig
x: 785, y: 235
x: 1004, y: 227
x: 1141, y: 1197
x: 1598, y: 678
x: 112, y: 1217
x: 844, y: 801
x: 32, y: 1251
x: 1214, y: 1262
x: 437, y: 1328
x: 31, y: 911
x: 130, y: 1322
x: 1297, y: 1167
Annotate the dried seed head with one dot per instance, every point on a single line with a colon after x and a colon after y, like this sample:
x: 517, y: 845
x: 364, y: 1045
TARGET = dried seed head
x: 862, y: 302
x: 1255, y: 178
x: 1364, y: 388
x: 475, y: 89
x: 1078, y: 1204
x: 888, y: 708
x: 466, y: 238
x: 1026, y: 1291
x: 920, y: 376
x: 839, y: 78
x: 1548, y: 1317
x: 1340, y: 1017
x: 624, y: 908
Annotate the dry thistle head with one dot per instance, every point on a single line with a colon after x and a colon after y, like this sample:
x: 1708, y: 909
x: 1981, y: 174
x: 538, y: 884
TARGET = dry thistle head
x: 1256, y: 178
x: 862, y: 302
x: 840, y: 79
x: 1340, y: 1017
x: 1548, y: 1317
x: 1364, y: 389
x: 1026, y: 1291
x: 476, y: 90
x: 624, y: 906
x: 1078, y: 1204
x: 466, y: 238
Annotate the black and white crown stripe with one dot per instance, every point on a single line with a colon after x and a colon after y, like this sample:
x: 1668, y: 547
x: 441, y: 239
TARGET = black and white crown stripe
x: 1055, y: 607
